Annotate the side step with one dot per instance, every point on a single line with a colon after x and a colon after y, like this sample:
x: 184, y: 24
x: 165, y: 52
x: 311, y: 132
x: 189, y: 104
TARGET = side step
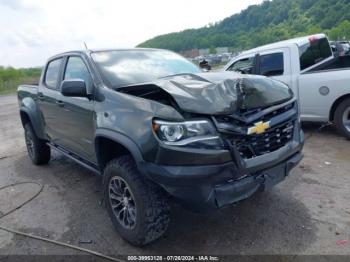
x: 76, y: 158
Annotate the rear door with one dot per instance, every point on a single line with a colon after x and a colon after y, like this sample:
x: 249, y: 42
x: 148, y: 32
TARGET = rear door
x: 47, y: 98
x: 317, y: 88
x: 77, y: 113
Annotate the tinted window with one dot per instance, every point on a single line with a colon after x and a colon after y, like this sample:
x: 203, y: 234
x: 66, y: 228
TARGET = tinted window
x: 52, y: 73
x: 346, y: 47
x: 243, y: 65
x: 272, y: 64
x: 314, y: 52
x: 126, y: 67
x: 76, y: 69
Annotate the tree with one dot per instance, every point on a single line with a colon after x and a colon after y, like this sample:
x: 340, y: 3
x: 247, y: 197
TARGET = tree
x: 261, y: 24
x: 212, y: 50
x: 342, y: 31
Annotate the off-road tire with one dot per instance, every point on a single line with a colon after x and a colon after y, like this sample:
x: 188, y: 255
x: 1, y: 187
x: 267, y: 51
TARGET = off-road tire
x: 338, y: 118
x: 39, y: 152
x: 151, y: 202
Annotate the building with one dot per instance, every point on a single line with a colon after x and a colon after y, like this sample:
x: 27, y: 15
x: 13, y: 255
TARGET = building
x: 190, y: 53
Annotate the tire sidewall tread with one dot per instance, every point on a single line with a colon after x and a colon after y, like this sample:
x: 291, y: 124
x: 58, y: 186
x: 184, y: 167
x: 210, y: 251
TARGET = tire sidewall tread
x: 338, y: 118
x: 42, y: 152
x: 151, y: 202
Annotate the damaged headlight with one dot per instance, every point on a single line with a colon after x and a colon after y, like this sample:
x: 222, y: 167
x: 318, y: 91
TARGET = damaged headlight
x: 196, y: 134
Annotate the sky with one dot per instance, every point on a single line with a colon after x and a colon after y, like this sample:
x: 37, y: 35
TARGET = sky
x: 34, y: 30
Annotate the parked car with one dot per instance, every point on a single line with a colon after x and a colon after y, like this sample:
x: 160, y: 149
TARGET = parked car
x: 205, y: 65
x: 307, y: 65
x: 153, y: 125
x: 340, y: 48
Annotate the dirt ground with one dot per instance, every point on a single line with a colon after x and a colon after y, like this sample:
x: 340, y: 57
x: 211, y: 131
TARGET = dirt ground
x: 308, y: 213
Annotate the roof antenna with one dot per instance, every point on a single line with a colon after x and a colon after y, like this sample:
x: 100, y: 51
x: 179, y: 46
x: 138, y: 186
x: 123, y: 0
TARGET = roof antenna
x: 86, y: 48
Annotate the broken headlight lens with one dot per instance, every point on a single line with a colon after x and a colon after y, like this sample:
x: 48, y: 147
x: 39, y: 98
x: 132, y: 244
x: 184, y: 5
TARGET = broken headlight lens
x: 194, y: 133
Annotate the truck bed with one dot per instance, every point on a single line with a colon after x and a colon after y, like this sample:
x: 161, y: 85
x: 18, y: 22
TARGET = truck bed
x: 27, y: 91
x: 340, y: 63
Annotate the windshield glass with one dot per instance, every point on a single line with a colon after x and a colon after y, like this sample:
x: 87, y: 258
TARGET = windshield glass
x: 126, y: 67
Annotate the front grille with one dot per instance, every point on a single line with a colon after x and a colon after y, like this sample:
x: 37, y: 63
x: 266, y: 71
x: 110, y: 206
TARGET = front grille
x: 268, y: 116
x: 250, y: 146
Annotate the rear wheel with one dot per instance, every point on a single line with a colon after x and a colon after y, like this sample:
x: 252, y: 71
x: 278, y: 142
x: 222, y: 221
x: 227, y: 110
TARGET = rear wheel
x: 342, y: 118
x: 39, y: 152
x: 138, y: 208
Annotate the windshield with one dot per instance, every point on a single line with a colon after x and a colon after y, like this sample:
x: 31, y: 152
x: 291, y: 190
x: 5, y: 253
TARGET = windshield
x: 126, y: 67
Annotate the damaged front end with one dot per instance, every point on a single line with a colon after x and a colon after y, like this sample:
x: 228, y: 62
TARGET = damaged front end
x: 240, y: 134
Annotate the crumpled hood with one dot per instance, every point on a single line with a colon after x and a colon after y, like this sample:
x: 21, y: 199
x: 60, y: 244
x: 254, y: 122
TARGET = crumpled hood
x: 222, y: 92
x: 206, y: 93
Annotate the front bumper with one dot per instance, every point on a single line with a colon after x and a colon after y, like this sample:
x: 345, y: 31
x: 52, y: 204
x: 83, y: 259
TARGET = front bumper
x: 204, y: 187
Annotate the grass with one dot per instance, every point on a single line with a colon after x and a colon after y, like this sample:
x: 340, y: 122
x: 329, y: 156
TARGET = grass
x: 10, y: 87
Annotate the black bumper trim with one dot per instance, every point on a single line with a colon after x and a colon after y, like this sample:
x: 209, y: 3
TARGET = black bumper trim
x: 202, y: 188
x: 239, y: 190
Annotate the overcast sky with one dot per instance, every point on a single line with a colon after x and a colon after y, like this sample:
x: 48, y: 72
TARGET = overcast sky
x: 33, y: 30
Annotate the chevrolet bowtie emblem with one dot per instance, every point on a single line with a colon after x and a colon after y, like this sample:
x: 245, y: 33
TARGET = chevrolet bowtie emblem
x: 258, y: 128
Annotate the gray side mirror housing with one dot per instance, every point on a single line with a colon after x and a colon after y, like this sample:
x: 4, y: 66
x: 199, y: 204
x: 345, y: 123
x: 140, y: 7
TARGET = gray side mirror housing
x: 74, y: 88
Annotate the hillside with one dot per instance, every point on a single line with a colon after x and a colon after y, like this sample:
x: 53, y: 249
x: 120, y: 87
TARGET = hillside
x: 265, y: 23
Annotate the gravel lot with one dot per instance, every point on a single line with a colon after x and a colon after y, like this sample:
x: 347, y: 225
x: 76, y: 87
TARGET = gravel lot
x: 306, y: 214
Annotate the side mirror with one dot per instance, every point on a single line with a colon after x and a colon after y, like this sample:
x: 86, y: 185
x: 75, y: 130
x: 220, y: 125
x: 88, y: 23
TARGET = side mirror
x: 74, y: 88
x: 246, y: 70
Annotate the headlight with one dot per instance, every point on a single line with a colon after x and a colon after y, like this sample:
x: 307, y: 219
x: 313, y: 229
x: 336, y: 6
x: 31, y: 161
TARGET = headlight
x: 197, y: 134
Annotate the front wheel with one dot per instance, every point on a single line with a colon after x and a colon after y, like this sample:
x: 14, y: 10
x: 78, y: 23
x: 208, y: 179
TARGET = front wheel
x: 138, y: 208
x: 342, y: 118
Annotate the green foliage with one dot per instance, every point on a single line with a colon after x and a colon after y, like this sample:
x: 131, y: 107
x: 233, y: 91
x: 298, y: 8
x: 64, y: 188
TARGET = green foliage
x: 10, y: 78
x: 342, y: 31
x: 265, y: 23
x: 212, y: 50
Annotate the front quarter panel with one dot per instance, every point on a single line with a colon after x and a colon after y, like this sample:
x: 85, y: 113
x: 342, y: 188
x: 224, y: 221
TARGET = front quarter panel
x: 131, y: 117
x: 28, y: 105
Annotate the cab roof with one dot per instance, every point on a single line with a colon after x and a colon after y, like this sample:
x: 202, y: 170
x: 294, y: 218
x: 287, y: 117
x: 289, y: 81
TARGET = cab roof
x: 299, y: 41
x: 89, y: 51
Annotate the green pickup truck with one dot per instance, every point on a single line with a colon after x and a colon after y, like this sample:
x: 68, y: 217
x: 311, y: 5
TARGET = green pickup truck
x: 158, y: 128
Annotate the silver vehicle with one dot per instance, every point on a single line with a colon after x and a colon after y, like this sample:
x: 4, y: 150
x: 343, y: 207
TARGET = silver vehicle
x: 320, y: 80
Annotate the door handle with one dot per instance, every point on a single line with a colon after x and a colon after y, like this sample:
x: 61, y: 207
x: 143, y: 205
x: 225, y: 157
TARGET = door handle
x: 41, y: 96
x: 60, y: 103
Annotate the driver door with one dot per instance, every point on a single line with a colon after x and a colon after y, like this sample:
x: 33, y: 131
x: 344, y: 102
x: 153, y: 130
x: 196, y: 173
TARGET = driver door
x: 77, y: 113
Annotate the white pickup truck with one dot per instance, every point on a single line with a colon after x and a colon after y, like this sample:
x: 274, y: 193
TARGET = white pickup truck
x: 307, y: 64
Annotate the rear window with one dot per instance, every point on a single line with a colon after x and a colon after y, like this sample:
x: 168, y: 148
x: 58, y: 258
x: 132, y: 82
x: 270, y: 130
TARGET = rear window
x: 272, y: 64
x: 314, y: 52
x: 52, y: 73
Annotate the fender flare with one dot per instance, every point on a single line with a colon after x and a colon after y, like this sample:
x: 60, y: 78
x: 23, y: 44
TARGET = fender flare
x: 29, y: 108
x: 123, y: 140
